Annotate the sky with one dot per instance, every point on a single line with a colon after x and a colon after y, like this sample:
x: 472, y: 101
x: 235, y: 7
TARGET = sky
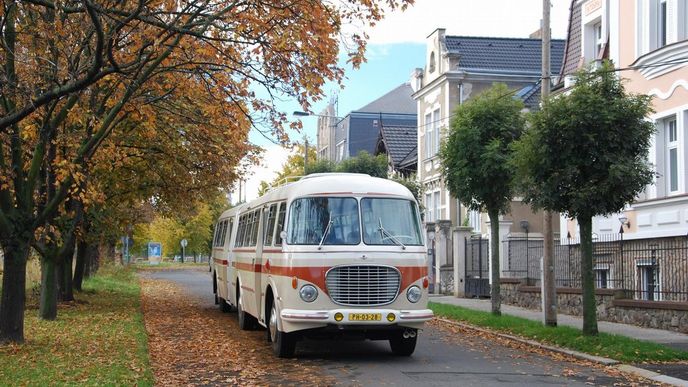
x: 397, y: 46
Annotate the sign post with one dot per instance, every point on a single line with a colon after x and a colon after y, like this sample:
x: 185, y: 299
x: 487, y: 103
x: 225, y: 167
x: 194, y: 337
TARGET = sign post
x: 183, y: 242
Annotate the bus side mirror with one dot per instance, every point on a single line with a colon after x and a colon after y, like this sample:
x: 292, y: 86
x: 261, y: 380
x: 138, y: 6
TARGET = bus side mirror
x: 283, y: 235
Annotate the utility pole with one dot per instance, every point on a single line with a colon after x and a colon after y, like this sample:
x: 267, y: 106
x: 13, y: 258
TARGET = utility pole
x: 549, y: 291
x: 305, y: 156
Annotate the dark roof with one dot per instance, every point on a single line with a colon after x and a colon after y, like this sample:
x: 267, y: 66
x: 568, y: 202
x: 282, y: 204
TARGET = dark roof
x: 398, y: 100
x: 530, y: 95
x: 504, y: 54
x: 572, y: 59
x: 401, y: 143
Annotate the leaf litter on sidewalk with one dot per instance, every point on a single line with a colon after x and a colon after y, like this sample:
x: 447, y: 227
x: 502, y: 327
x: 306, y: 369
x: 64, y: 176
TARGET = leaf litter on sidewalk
x: 193, y: 344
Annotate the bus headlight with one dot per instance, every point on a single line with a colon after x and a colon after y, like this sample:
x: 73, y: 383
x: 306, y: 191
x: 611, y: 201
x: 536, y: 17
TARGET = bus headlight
x: 413, y: 294
x: 308, y: 293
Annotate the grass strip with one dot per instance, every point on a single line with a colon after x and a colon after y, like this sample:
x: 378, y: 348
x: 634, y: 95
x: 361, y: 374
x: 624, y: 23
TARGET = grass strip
x: 622, y: 348
x: 98, y: 340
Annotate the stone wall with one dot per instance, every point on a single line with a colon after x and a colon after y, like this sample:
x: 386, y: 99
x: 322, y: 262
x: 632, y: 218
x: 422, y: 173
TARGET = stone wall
x: 611, y: 306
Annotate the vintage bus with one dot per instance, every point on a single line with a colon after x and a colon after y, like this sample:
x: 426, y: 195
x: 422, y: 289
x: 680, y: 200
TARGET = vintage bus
x: 331, y: 255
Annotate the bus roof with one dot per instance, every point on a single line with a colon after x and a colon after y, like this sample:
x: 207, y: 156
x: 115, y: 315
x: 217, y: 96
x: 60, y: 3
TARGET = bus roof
x: 354, y: 184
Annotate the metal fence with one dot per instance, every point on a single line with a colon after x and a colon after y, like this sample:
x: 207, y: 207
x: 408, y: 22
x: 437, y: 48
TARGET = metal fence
x: 655, y: 270
x: 477, y: 267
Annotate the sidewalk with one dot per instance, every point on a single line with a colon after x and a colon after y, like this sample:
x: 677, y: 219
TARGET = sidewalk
x: 668, y: 338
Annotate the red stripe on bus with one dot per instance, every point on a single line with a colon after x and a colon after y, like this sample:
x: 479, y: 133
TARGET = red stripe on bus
x: 316, y: 274
x: 221, y: 261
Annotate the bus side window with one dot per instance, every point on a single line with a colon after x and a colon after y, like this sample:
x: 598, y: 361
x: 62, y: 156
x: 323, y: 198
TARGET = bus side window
x: 269, y: 224
x: 280, y: 223
x: 240, y: 232
x: 229, y: 232
x: 223, y: 236
x: 217, y: 232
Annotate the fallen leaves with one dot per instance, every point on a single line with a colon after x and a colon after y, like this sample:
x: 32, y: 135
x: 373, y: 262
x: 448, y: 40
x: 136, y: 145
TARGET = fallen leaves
x: 192, y: 343
x: 569, y: 367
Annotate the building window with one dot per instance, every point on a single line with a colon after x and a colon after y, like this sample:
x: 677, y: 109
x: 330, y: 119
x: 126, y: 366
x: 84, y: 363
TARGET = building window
x: 428, y: 208
x: 438, y: 206
x: 649, y: 280
x: 436, y: 130
x: 597, y: 39
x: 662, y: 23
x: 672, y: 155
x: 603, y: 278
x: 474, y: 220
x: 428, y: 136
x: 431, y: 65
x: 340, y: 151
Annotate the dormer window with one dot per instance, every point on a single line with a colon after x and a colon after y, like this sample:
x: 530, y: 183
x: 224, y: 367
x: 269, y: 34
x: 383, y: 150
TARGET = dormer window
x: 431, y: 66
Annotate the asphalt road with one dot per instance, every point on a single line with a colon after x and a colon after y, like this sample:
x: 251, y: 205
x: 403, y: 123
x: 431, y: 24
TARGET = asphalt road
x: 442, y: 357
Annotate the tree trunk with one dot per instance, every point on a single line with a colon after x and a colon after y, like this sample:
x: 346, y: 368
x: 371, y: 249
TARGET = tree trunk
x: 588, y: 283
x: 59, y: 269
x: 495, y: 292
x: 68, y: 261
x: 13, y: 294
x: 48, y: 306
x: 80, y: 268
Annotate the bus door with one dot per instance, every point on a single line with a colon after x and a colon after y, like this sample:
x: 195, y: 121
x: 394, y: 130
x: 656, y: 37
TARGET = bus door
x: 258, y: 263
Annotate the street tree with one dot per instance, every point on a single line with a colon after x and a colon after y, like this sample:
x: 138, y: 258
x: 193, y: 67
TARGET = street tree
x: 586, y: 154
x: 475, y: 158
x: 56, y: 56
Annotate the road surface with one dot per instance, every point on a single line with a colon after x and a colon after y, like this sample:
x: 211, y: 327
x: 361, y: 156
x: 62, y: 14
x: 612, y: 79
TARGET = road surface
x: 445, y: 356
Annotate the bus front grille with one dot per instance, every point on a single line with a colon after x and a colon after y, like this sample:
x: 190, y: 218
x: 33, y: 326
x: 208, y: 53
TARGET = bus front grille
x: 363, y: 285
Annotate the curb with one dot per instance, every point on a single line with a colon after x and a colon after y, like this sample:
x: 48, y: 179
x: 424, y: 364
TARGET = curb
x: 579, y: 355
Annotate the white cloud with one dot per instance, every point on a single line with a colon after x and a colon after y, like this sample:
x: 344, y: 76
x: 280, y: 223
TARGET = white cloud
x: 273, y: 159
x: 496, y: 18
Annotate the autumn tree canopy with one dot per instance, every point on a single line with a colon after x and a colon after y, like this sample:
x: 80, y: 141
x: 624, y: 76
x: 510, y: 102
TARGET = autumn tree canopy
x: 80, y: 77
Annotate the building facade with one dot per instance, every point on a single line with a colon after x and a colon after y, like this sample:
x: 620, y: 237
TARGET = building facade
x: 458, y: 68
x: 647, y: 40
x: 359, y: 129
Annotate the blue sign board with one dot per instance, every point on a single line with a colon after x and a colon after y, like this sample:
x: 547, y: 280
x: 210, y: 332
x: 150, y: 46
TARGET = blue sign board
x: 154, y: 252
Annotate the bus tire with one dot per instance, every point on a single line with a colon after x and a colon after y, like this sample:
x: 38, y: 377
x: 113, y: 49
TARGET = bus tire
x: 224, y: 306
x: 246, y: 321
x: 403, y: 346
x: 283, y: 344
x: 217, y: 300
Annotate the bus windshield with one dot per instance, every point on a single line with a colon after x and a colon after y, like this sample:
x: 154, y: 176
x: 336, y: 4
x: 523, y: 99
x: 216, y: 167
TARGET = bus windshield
x: 324, y: 221
x: 390, y: 222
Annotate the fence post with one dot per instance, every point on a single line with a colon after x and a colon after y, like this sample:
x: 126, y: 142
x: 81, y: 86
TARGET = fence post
x: 460, y: 235
x: 430, y: 237
x: 443, y: 252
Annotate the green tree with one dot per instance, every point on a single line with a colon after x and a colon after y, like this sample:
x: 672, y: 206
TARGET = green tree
x: 293, y: 167
x: 364, y: 162
x: 586, y: 155
x: 475, y: 159
x: 413, y: 185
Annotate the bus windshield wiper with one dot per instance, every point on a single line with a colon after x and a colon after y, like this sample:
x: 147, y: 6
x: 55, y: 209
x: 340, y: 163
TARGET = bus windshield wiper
x: 327, y: 231
x: 389, y: 235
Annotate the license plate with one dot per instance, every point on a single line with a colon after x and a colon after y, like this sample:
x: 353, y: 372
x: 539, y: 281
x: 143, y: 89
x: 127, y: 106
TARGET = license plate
x: 365, y: 316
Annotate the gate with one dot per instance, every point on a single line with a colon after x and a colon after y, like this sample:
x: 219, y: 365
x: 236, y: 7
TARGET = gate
x: 477, y: 267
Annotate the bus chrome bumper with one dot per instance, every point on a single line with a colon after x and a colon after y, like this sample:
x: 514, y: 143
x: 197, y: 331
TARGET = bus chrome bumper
x: 358, y: 316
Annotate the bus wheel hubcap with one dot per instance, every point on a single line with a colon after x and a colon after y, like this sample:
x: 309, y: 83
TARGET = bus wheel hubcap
x: 273, y: 323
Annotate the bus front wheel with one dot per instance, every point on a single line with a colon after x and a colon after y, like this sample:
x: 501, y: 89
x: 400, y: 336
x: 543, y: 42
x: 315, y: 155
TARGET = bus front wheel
x: 283, y: 344
x: 404, y: 343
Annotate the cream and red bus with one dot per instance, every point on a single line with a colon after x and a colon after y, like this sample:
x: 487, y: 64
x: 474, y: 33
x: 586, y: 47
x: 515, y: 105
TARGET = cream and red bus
x: 329, y: 255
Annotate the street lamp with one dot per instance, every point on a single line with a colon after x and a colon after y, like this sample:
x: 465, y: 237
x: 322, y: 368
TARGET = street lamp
x: 298, y: 113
